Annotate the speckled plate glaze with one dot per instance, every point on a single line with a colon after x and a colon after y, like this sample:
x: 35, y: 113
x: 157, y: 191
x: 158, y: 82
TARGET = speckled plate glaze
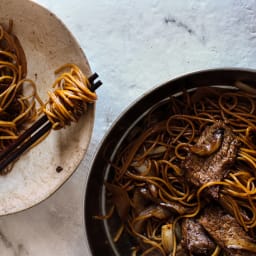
x: 47, y: 44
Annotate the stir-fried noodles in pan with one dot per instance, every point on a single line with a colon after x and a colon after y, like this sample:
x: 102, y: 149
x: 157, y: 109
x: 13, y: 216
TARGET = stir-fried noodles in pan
x: 183, y: 182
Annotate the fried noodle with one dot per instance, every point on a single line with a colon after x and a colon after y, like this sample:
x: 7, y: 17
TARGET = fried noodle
x: 20, y: 105
x: 151, y: 163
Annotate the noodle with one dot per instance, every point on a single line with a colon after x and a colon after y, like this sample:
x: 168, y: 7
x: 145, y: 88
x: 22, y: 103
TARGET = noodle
x: 70, y: 97
x: 20, y: 105
x: 17, y: 109
x: 154, y: 160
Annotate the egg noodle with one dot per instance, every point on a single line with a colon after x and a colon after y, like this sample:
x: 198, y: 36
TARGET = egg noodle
x: 20, y: 104
x: 148, y: 187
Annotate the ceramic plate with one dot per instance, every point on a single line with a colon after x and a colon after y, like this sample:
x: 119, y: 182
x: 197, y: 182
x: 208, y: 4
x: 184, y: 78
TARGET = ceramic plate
x: 47, y: 44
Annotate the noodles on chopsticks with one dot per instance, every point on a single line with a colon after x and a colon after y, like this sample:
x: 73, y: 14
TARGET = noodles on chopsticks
x: 149, y: 168
x: 70, y: 97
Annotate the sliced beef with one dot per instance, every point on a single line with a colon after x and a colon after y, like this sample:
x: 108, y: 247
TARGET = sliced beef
x: 227, y: 233
x: 210, y: 158
x: 195, y: 239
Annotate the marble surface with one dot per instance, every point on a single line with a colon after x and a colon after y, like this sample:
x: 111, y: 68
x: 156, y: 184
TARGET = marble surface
x: 133, y: 46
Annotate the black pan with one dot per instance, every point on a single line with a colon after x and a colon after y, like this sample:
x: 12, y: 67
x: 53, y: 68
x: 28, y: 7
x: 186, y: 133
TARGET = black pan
x: 98, y: 232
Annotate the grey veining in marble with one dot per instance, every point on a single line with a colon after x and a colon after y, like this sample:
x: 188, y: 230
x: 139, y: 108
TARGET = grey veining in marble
x: 133, y: 46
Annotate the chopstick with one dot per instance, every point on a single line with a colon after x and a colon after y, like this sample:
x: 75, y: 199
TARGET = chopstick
x: 34, y: 133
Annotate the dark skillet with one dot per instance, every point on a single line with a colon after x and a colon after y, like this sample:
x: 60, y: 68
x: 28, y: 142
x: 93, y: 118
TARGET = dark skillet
x: 97, y: 231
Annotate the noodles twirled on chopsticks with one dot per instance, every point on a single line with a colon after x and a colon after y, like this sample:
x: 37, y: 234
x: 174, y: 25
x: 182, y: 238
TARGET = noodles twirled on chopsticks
x: 149, y: 169
x: 70, y: 97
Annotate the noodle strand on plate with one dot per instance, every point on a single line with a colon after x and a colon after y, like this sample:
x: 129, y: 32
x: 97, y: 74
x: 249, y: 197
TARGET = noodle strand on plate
x: 20, y: 104
x: 17, y: 109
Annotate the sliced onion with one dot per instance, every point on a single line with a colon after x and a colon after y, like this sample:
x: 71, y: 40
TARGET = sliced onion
x: 245, y: 87
x: 120, y: 199
x: 242, y: 244
x: 140, y: 167
x: 207, y: 148
x: 149, y: 212
x: 157, y: 150
x: 167, y: 237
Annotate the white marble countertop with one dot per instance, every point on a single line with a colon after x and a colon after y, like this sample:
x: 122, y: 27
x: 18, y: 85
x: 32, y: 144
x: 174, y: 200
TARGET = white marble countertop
x: 133, y: 46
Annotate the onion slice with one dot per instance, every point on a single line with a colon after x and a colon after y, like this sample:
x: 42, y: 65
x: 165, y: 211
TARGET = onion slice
x: 120, y: 199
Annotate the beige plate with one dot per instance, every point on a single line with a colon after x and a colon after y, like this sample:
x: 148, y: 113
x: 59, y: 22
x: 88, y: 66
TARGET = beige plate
x: 48, y: 45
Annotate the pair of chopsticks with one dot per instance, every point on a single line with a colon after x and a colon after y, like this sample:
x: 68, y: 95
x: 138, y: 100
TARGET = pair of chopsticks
x: 34, y: 133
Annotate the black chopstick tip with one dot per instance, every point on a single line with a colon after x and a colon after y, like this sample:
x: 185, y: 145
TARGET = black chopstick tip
x: 93, y: 77
x: 94, y: 85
